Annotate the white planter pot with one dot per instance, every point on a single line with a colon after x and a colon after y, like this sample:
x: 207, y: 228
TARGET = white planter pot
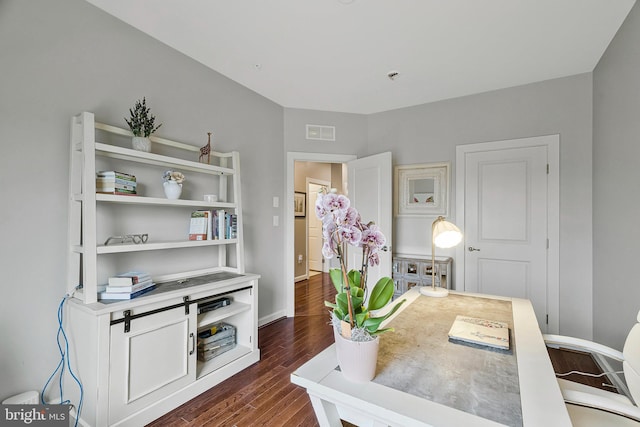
x: 357, y: 359
x: 141, y: 143
x: 172, y: 190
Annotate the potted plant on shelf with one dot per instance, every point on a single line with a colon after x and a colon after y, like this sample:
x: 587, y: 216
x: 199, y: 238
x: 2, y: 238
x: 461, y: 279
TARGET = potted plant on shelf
x: 172, y: 184
x: 355, y: 318
x: 141, y: 123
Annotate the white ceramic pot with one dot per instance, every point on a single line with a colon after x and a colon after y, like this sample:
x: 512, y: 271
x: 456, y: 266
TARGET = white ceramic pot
x: 172, y: 190
x: 141, y: 143
x: 357, y: 359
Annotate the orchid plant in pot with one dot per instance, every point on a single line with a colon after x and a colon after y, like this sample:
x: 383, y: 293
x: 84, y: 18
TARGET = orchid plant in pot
x: 354, y: 312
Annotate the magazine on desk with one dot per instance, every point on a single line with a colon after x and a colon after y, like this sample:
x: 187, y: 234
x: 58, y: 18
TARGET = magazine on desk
x: 481, y: 332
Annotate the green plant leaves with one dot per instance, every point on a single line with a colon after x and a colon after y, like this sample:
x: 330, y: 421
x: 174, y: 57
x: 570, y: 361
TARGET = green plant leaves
x: 336, y: 278
x: 381, y: 294
x: 373, y: 323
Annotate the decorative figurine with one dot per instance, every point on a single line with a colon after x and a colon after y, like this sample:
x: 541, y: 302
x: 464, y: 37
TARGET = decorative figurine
x: 206, y: 151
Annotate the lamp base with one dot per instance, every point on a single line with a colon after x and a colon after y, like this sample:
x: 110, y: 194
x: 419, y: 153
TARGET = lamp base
x: 434, y: 292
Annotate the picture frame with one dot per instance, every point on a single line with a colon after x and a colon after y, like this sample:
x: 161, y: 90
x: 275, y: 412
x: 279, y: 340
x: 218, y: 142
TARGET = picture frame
x: 422, y: 189
x: 299, y: 204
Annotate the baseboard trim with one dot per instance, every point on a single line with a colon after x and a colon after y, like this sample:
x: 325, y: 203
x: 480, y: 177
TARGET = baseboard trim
x: 271, y: 318
x: 301, y: 278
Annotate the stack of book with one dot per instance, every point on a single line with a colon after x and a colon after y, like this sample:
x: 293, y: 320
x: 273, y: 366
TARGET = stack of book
x: 127, y: 286
x: 114, y: 182
x: 213, y: 225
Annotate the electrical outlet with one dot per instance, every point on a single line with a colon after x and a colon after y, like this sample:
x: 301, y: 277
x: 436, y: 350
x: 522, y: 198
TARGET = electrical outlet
x: 300, y: 259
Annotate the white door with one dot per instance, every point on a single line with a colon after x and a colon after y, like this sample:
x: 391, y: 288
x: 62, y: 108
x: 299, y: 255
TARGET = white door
x: 314, y: 226
x: 154, y: 359
x: 369, y: 187
x: 506, y: 224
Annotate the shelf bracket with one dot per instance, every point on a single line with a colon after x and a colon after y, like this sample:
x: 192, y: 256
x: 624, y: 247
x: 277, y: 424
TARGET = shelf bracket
x: 127, y: 320
x: 186, y: 305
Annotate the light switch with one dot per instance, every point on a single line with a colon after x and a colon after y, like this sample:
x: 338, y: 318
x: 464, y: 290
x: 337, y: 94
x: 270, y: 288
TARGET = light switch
x: 276, y: 220
x: 276, y: 201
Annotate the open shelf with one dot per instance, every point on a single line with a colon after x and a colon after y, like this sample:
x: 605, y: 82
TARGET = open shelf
x: 113, y: 151
x: 218, y: 362
x: 154, y: 246
x: 159, y: 201
x: 222, y: 313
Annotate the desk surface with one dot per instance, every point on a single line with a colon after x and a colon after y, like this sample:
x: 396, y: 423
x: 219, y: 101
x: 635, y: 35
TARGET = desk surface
x: 386, y: 401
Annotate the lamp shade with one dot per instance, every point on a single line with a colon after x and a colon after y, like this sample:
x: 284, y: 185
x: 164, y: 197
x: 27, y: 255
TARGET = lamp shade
x: 446, y: 234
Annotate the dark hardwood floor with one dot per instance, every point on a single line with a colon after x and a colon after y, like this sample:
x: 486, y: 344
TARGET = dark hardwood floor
x: 262, y: 395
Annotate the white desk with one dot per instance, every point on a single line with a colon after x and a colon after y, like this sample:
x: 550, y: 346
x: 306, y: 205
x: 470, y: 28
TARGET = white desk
x: 373, y: 404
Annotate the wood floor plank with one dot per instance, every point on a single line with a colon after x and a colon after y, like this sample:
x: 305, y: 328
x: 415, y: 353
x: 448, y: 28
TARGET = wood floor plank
x: 262, y: 394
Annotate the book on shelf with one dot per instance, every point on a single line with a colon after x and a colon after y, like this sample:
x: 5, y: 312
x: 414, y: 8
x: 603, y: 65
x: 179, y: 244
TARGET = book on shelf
x: 116, y: 174
x: 198, y: 225
x: 210, y: 225
x: 118, y: 192
x: 129, y: 288
x: 110, y: 186
x: 117, y: 187
x: 232, y: 226
x: 115, y: 181
x: 220, y: 216
x: 129, y: 278
x: 482, y: 332
x: 125, y: 295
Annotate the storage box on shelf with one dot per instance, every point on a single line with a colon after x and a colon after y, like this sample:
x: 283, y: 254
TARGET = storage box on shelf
x: 415, y: 270
x: 137, y: 358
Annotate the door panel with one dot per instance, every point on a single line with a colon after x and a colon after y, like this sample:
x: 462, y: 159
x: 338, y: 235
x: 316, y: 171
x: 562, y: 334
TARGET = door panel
x: 503, y: 277
x: 314, y: 232
x: 155, y: 358
x: 506, y: 224
x: 370, y: 190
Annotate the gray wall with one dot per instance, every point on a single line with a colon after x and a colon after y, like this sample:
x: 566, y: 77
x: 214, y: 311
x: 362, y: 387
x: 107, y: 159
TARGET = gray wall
x: 616, y: 176
x: 351, y: 132
x: 59, y: 59
x: 430, y: 133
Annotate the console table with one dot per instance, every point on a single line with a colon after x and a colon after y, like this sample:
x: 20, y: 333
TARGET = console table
x: 515, y: 388
x: 415, y: 270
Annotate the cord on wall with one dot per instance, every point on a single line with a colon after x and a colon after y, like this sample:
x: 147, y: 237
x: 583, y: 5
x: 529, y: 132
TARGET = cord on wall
x: 63, y: 348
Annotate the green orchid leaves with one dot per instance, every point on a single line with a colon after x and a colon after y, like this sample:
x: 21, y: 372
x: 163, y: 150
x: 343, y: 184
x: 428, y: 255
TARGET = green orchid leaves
x: 381, y: 295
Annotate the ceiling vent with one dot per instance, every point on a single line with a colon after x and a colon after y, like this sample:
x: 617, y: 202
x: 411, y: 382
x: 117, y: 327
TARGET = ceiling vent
x: 322, y: 133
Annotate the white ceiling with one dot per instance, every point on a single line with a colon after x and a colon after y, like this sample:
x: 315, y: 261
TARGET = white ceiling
x: 335, y: 55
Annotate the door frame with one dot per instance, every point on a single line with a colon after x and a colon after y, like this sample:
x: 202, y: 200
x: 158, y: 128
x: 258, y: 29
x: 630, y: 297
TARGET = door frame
x: 289, y: 255
x: 552, y: 143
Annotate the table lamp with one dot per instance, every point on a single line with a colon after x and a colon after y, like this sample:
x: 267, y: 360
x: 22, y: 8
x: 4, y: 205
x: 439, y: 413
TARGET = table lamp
x: 443, y: 235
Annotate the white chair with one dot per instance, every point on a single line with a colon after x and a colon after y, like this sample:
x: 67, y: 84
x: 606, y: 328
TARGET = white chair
x: 590, y: 406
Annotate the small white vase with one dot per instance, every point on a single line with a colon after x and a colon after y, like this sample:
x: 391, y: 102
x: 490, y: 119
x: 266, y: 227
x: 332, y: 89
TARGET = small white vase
x: 357, y: 359
x: 172, y: 190
x: 141, y: 143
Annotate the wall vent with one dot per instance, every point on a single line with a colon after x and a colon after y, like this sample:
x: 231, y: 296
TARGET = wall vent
x: 322, y: 133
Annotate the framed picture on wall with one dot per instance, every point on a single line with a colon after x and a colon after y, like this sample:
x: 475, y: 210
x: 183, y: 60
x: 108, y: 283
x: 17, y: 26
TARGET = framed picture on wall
x: 300, y: 204
x: 422, y: 190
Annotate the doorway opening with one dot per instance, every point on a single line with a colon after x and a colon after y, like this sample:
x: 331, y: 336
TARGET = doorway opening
x: 297, y: 166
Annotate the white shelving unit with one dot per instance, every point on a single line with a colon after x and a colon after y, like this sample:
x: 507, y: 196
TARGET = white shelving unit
x: 84, y: 202
x: 137, y: 359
